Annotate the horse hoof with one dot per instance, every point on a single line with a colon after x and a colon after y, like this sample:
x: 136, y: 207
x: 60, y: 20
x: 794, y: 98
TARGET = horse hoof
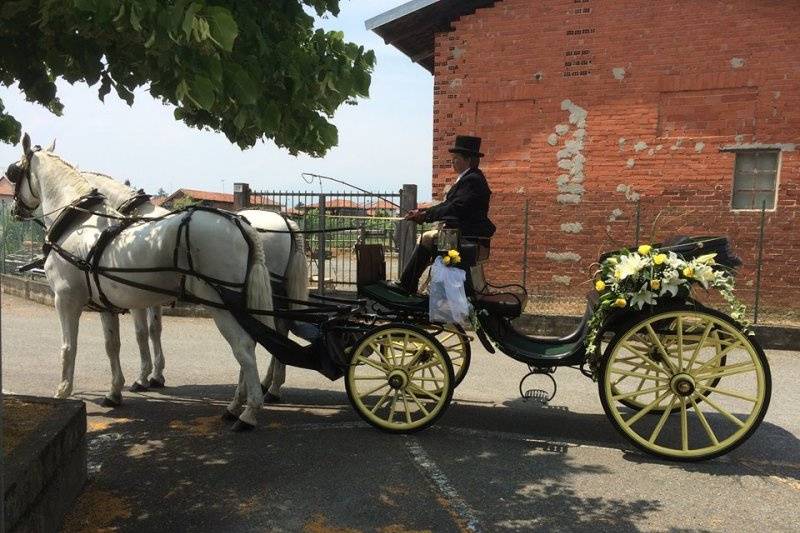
x: 112, y: 401
x: 137, y: 387
x: 156, y: 384
x: 241, y: 426
x: 271, y: 398
x: 229, y: 417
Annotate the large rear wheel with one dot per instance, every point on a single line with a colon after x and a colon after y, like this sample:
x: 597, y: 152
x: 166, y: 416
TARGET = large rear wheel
x: 400, y: 378
x: 699, y: 386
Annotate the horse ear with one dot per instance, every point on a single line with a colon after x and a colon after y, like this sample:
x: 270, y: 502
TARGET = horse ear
x: 52, y: 147
x: 26, y: 145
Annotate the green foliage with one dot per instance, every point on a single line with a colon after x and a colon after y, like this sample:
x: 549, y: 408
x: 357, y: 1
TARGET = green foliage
x: 186, y: 201
x: 251, y: 69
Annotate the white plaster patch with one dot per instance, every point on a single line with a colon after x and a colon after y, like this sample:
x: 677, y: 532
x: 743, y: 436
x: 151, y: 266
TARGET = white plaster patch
x: 566, y: 164
x: 571, y: 227
x: 737, y: 62
x: 630, y: 194
x: 563, y: 280
x: 563, y: 256
x: 552, y: 139
x: 458, y: 52
x: 776, y: 94
x: 677, y: 145
x: 457, y: 82
x: 572, y: 187
x: 651, y: 151
x: 579, y: 135
x: 618, y: 73
x: 577, y: 114
x: 630, y: 163
x: 577, y: 174
x: 621, y: 143
x: 698, y: 146
x: 521, y: 190
x: 568, y: 198
x: 659, y: 147
x: 641, y: 145
x: 615, y: 214
x: 739, y: 139
x: 562, y: 180
x: 562, y: 129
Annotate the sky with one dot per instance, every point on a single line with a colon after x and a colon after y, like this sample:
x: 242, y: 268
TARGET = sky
x: 384, y: 141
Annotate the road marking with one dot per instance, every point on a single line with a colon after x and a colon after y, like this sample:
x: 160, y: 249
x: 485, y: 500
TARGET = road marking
x: 459, y: 509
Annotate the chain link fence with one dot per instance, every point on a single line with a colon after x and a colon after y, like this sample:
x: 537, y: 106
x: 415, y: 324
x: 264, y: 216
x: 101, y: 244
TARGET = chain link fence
x: 22, y: 242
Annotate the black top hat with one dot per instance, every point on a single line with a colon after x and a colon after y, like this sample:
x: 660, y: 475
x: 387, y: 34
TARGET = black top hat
x: 467, y: 145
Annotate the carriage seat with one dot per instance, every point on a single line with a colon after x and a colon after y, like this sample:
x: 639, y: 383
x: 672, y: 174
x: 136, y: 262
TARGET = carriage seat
x: 503, y: 304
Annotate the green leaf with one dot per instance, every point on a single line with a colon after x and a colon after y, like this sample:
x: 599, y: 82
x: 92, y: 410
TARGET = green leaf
x: 150, y: 40
x: 135, y: 19
x: 244, y: 87
x: 188, y: 19
x: 202, y: 91
x: 223, y: 27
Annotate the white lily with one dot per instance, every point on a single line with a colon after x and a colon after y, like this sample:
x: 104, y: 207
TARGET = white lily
x: 644, y: 296
x: 630, y: 265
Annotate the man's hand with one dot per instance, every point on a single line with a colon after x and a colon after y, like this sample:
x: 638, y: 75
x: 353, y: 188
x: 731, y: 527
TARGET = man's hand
x: 416, y: 215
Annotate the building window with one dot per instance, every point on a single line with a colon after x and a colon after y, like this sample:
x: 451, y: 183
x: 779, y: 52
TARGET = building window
x: 755, y: 179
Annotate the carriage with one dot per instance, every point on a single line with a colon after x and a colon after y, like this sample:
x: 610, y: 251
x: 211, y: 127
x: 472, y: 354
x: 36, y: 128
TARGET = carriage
x: 678, y: 379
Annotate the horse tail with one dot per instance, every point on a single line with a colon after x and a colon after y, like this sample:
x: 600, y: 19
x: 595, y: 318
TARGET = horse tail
x: 259, y: 290
x: 297, y: 268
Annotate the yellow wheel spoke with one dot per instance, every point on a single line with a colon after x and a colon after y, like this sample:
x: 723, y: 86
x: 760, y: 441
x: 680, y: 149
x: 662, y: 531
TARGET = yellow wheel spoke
x: 662, y: 421
x: 700, y: 344
x: 419, y: 404
x: 373, y: 391
x: 639, y: 392
x: 391, y: 410
x: 728, y: 370
x: 720, y: 353
x: 414, y: 388
x: 660, y: 346
x: 377, y: 349
x: 704, y: 422
x: 723, y: 412
x: 405, y: 404
x: 625, y: 373
x: 728, y: 393
x: 380, y: 402
x: 369, y: 378
x: 643, y: 357
x: 415, y: 356
x: 680, y: 343
x: 425, y: 366
x: 684, y: 427
x: 649, y: 407
x: 373, y: 364
x: 434, y: 379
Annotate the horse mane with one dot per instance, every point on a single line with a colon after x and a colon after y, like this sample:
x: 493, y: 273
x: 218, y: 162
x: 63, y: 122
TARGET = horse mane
x: 71, y: 177
x: 119, y: 188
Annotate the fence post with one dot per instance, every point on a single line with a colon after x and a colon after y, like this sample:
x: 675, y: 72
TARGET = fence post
x: 321, y: 246
x: 525, y: 249
x: 5, y: 233
x: 759, y: 263
x: 241, y: 196
x: 407, y: 229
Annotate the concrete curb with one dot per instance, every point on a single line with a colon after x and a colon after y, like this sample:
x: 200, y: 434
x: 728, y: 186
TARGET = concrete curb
x: 46, y: 472
x: 772, y: 337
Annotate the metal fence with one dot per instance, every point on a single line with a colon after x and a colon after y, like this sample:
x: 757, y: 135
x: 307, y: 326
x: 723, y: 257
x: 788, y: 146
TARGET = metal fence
x: 22, y: 242
x: 335, y: 222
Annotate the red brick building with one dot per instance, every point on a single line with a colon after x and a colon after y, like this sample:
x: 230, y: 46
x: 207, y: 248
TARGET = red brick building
x: 587, y: 108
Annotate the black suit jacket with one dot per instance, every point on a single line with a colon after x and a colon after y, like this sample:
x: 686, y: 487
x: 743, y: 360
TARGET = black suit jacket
x: 468, y: 201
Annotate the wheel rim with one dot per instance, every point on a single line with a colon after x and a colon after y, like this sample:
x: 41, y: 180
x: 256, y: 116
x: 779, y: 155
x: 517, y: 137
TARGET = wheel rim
x: 454, y: 339
x: 399, y: 379
x: 702, y: 369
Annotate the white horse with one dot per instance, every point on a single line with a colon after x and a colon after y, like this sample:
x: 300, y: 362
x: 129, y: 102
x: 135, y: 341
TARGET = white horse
x: 231, y: 254
x: 280, y: 236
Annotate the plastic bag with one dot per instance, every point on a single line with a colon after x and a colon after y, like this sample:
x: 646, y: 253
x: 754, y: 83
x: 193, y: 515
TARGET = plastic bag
x: 447, y: 301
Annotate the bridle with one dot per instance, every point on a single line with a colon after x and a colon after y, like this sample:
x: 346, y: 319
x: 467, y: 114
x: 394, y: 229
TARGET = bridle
x: 16, y: 174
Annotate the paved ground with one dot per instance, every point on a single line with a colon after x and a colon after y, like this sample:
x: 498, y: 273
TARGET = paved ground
x: 166, y: 462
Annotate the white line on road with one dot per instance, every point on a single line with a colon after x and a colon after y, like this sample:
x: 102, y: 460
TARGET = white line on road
x: 457, y: 506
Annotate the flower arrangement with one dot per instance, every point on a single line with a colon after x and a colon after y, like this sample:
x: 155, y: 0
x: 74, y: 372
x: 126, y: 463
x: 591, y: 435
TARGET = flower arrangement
x: 451, y: 258
x: 647, y: 275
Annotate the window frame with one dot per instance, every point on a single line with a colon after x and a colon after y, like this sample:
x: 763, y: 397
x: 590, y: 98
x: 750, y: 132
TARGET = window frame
x: 751, y: 151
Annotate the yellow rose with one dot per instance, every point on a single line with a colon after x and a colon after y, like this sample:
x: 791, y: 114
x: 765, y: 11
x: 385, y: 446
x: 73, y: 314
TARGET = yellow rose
x: 453, y: 253
x: 688, y: 272
x: 599, y: 285
x: 620, y: 302
x: 655, y: 284
x: 446, y: 260
x: 659, y: 259
x: 644, y: 249
x: 456, y: 260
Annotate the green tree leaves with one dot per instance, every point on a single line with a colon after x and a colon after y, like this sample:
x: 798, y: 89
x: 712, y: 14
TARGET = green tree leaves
x: 251, y: 69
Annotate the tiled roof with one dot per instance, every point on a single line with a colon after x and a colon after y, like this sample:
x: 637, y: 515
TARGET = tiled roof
x: 6, y: 187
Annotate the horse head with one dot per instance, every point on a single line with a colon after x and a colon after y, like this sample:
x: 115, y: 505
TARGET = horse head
x: 19, y: 173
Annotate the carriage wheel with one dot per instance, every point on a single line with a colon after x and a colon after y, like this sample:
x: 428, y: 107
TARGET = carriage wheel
x: 454, y: 339
x: 643, y: 343
x: 704, y: 370
x: 400, y: 378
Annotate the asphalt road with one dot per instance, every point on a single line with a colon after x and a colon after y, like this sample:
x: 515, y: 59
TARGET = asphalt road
x: 166, y: 461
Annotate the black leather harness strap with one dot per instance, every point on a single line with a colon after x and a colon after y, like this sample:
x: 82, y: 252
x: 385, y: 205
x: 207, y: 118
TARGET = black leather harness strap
x: 129, y: 205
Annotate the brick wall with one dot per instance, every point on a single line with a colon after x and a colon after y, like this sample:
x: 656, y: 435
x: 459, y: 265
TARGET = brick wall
x: 587, y: 106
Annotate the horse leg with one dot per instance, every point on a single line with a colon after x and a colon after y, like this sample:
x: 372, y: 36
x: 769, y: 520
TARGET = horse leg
x: 69, y: 313
x: 234, y: 408
x: 154, y: 315
x: 244, y: 349
x: 146, y: 366
x: 110, y: 323
x: 276, y: 374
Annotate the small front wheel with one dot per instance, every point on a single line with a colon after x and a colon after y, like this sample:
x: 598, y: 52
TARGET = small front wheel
x: 700, y: 386
x: 455, y: 340
x: 400, y: 378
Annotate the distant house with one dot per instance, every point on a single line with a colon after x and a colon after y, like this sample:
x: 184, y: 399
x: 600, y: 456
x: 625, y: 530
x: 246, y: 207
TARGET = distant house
x: 383, y: 208
x: 341, y: 207
x: 219, y: 200
x: 6, y: 191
